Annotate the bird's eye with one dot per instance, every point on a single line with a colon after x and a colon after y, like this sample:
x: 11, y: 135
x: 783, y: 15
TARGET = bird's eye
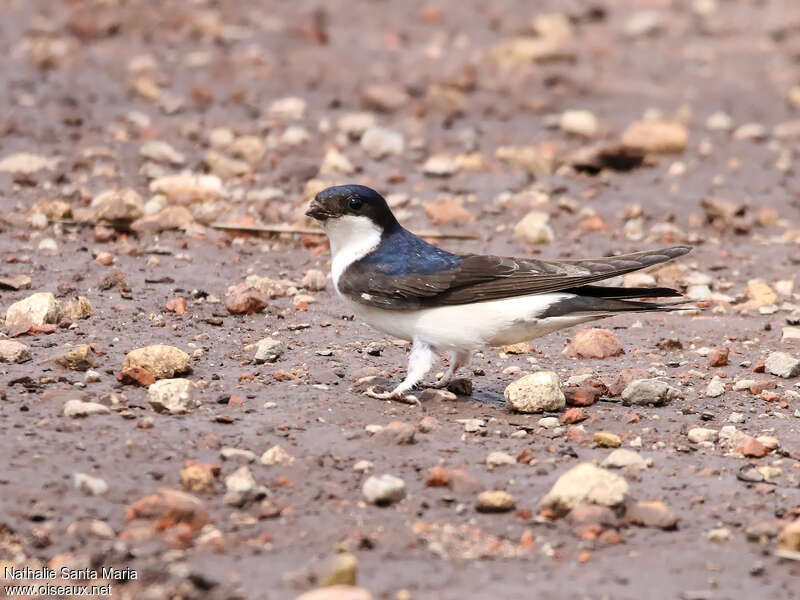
x: 355, y: 203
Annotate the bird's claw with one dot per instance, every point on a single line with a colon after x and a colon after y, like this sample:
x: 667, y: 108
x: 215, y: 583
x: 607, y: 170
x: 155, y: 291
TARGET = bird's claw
x: 441, y: 384
x: 405, y: 399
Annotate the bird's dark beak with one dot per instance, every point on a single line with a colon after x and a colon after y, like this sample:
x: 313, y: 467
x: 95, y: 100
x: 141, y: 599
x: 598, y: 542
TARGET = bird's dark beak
x: 317, y: 211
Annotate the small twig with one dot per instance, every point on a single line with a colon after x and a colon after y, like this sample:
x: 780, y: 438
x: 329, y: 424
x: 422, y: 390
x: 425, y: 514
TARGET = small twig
x: 73, y: 223
x: 315, y: 231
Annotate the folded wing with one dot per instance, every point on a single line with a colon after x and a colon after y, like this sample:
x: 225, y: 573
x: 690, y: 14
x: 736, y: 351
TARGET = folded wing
x: 478, y: 278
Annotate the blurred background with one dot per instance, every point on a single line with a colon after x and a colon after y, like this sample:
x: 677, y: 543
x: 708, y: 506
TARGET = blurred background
x: 632, y: 118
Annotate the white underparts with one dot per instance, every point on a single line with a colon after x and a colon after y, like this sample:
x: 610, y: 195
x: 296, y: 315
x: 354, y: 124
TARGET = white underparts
x: 471, y: 326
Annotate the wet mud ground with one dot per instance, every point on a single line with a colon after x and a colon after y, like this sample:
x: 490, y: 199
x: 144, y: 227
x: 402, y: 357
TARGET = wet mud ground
x: 71, y: 81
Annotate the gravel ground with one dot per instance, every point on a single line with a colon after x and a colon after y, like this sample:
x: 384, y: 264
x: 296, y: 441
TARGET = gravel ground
x: 127, y: 129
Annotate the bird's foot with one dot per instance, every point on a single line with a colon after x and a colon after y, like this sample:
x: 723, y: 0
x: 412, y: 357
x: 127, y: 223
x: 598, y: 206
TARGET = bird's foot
x: 398, y: 396
x: 442, y: 383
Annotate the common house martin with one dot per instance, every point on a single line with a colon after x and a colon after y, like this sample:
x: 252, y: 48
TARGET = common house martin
x: 440, y: 301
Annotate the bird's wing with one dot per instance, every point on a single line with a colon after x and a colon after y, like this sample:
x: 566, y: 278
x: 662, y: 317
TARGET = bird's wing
x: 478, y: 278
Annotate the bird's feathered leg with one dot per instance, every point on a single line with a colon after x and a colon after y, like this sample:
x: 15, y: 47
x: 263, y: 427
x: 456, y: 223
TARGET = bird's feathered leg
x: 419, y: 363
x: 458, y: 359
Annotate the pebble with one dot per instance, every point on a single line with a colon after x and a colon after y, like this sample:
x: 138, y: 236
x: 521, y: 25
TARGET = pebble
x: 437, y: 395
x: 782, y: 364
x: 91, y: 376
x: 651, y: 514
x: 48, y: 246
x: 593, y: 343
x: 499, y: 459
x: 237, y: 455
x: 743, y: 385
x: 224, y: 166
x: 118, y: 208
x: 79, y: 408
x: 174, y: 396
x: 699, y: 292
x: 291, y: 108
x: 171, y: 217
x: 579, y: 122
x: 384, y: 489
x: 379, y: 142
x: 537, y: 392
x: 760, y: 294
x: 605, y: 439
x: 548, y: 422
x: 295, y: 135
x: 220, y: 138
x: 472, y: 425
x: 643, y: 23
x: 383, y: 97
x: 790, y: 537
x: 169, y: 508
x: 37, y: 309
x: 622, y: 458
x: 736, y: 417
x: 276, y: 456
x: 428, y: 424
x: 80, y: 358
x: 585, y: 484
x: 448, y: 211
x: 336, y: 162
x: 91, y: 486
x: 440, y: 165
x: 199, y: 477
x: 750, y: 131
x: 396, y: 433
x: 533, y: 228
x: 249, y: 148
x: 719, y: 121
x: 337, y: 592
x: 718, y: 356
x: 240, y: 486
x: 16, y: 282
x: 572, y: 416
x: 26, y: 163
x: 188, y: 188
x: 531, y: 159
x: 656, y: 137
x: 160, y: 360
x: 314, y: 280
x: 769, y: 442
x: 38, y: 221
x: 363, y: 466
x: 12, y: 351
x: 747, y: 445
x: 354, y: 124
x: 790, y: 334
x: 715, y: 387
x: 493, y: 501
x: 719, y: 535
x: 697, y: 435
x: 161, y: 152
x: 339, y: 569
x: 268, y: 350
x: 649, y: 391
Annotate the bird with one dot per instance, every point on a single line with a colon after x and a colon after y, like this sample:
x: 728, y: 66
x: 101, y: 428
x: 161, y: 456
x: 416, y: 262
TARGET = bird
x: 458, y: 303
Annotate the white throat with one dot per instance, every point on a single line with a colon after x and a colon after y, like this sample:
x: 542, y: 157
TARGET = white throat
x: 351, y: 239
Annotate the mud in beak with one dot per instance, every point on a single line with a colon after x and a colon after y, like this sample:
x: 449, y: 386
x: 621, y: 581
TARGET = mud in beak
x: 317, y: 211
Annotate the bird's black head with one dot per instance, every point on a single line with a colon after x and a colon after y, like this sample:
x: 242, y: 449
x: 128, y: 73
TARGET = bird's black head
x: 351, y: 201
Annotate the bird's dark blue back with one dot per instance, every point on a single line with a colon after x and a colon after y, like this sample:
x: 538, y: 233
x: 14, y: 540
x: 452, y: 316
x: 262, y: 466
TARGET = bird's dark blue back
x: 402, y: 253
